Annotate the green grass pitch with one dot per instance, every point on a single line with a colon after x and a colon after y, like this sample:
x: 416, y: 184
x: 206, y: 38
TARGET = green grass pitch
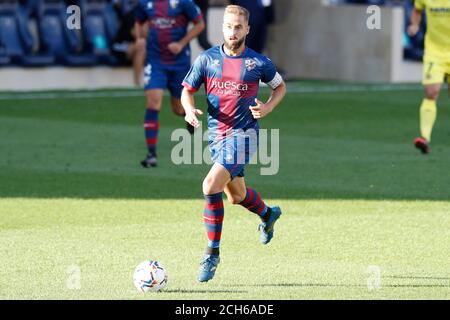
x: 365, y: 216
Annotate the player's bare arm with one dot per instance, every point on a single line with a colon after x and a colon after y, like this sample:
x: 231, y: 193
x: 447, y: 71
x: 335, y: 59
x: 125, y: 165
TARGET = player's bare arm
x: 176, y: 47
x: 192, y: 113
x: 416, y: 18
x: 140, y: 30
x: 260, y: 110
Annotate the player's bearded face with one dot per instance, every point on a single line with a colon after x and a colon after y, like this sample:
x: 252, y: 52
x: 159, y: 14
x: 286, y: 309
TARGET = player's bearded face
x: 235, y: 30
x: 233, y: 43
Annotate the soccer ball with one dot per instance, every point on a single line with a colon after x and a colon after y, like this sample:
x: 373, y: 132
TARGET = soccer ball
x: 149, y: 276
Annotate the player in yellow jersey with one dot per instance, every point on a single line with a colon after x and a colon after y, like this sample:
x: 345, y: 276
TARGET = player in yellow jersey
x: 436, y: 61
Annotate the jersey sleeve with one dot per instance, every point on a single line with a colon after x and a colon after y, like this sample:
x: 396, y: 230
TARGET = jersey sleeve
x: 420, y: 4
x: 270, y: 76
x: 196, y: 75
x: 140, y: 15
x: 192, y: 10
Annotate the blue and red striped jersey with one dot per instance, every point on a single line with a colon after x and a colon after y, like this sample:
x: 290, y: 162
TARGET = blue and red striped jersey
x: 168, y: 21
x: 231, y: 85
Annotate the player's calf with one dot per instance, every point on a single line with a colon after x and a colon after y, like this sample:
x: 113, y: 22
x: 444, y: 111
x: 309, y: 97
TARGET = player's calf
x: 253, y: 202
x: 235, y: 198
x: 151, y: 128
x: 213, y: 215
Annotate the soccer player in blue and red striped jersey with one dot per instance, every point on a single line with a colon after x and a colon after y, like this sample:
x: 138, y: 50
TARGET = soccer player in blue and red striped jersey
x: 162, y: 29
x: 231, y: 74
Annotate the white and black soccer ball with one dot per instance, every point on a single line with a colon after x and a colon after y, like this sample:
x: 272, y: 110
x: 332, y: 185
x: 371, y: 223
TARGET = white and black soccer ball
x: 150, y: 275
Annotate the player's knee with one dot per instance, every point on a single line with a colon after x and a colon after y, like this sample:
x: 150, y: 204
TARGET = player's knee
x: 153, y: 99
x: 139, y: 49
x: 209, y: 187
x: 235, y: 198
x: 153, y: 104
x: 432, y: 93
x: 177, y: 108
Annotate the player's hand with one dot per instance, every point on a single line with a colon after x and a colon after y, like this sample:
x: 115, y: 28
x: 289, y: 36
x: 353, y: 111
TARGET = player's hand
x: 141, y: 43
x: 191, y: 117
x: 175, y: 47
x: 413, y: 29
x: 260, y: 110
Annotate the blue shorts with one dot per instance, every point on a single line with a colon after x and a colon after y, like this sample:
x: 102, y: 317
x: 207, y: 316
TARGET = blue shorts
x: 235, y: 151
x: 157, y: 76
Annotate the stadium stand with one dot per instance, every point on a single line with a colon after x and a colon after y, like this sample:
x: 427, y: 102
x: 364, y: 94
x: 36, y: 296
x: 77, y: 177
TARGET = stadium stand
x: 52, y: 43
x: 34, y: 33
x: 99, y: 24
x: 64, y: 44
x: 413, y: 46
x: 17, y: 42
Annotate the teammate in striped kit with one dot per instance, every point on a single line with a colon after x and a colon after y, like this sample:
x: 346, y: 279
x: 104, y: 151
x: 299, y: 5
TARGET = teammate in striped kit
x: 231, y: 74
x: 161, y: 27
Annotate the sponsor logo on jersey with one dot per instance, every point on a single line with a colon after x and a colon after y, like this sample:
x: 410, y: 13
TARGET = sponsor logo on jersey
x: 440, y: 10
x: 229, y: 85
x: 163, y: 23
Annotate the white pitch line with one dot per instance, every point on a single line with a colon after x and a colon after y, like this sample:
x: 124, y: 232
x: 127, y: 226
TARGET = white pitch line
x: 64, y: 95
x: 354, y: 88
x: 139, y: 93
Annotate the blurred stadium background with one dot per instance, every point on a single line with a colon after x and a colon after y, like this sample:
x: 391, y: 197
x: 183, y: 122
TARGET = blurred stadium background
x: 311, y: 39
x: 366, y: 215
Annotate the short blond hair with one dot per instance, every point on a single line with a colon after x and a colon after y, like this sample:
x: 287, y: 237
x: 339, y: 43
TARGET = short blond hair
x: 238, y: 10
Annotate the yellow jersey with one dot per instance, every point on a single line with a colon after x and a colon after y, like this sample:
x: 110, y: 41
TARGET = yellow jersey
x: 437, y: 39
